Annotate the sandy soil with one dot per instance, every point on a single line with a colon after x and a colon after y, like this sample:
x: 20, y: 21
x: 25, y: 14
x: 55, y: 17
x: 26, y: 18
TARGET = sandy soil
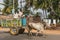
x: 52, y: 32
x: 4, y: 29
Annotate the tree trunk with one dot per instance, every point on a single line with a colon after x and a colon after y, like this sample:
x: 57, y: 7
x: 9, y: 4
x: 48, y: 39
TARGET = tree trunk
x: 51, y: 21
x: 52, y: 11
x: 45, y: 13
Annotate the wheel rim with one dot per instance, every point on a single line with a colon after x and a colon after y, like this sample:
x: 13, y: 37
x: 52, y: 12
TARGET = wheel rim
x: 13, y: 31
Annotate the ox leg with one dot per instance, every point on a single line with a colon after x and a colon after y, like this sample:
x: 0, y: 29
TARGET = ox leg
x: 37, y: 33
x: 29, y: 33
x: 29, y: 30
x: 44, y: 36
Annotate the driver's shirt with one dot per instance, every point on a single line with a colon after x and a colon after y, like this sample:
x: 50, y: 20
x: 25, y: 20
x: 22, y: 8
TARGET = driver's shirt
x: 16, y: 15
x: 20, y: 13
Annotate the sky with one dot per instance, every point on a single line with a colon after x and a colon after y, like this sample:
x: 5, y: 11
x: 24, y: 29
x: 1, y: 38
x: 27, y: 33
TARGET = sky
x: 1, y: 6
x: 1, y: 0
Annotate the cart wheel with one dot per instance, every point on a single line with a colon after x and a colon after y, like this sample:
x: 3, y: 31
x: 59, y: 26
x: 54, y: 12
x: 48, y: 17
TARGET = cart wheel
x: 14, y: 31
x: 21, y: 30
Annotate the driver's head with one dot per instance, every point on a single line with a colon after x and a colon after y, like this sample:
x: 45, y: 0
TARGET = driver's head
x: 21, y: 10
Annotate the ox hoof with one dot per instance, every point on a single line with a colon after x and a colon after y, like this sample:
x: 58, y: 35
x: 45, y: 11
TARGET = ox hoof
x: 44, y: 36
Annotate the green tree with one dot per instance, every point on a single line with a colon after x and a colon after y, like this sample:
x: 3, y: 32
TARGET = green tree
x: 54, y: 9
x: 50, y: 5
x: 9, y: 6
x: 29, y: 4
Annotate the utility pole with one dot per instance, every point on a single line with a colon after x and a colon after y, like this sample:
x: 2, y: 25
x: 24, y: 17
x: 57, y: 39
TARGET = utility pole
x: 13, y: 10
x: 13, y: 4
x: 0, y: 11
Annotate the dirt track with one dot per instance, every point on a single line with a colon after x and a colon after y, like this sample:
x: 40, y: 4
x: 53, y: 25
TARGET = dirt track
x: 51, y: 35
x: 53, y: 32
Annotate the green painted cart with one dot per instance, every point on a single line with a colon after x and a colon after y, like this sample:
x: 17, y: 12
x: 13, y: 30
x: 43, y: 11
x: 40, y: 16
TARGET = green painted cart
x: 15, y: 25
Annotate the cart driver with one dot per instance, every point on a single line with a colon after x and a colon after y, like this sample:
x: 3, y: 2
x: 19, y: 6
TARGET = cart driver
x: 20, y: 13
x: 15, y: 15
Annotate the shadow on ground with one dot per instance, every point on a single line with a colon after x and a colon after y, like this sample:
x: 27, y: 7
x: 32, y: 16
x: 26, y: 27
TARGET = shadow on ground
x: 34, y: 34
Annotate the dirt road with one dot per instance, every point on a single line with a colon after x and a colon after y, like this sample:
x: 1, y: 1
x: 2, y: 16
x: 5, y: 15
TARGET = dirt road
x: 52, y: 32
x: 51, y: 35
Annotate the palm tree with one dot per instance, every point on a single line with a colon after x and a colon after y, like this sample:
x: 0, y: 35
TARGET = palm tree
x: 9, y: 5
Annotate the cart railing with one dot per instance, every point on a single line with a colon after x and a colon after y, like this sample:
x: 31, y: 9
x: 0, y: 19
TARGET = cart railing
x: 10, y: 22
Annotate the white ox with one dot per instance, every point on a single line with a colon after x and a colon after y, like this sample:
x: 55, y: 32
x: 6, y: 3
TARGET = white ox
x: 37, y: 26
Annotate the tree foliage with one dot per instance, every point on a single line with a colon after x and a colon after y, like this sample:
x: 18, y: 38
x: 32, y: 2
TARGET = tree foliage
x: 9, y: 6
